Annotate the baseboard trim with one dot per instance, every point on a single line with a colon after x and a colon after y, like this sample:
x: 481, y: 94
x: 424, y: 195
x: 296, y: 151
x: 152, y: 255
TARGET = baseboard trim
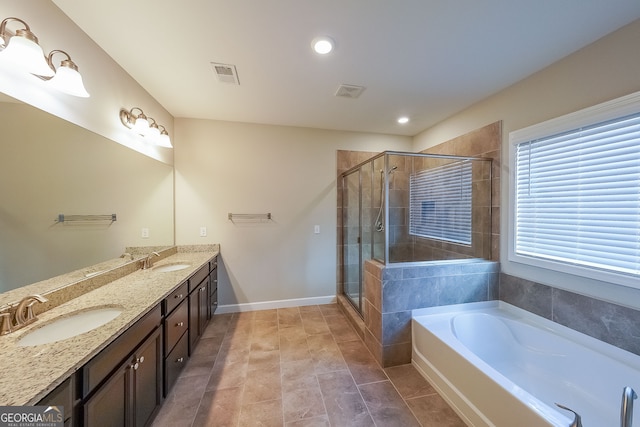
x: 269, y: 305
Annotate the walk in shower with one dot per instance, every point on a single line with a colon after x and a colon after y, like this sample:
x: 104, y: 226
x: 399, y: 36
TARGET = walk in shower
x: 407, y: 207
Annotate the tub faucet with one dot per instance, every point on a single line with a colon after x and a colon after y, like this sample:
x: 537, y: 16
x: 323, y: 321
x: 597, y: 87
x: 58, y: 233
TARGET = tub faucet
x: 577, y: 421
x: 626, y: 409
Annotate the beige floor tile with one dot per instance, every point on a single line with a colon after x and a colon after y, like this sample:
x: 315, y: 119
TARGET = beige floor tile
x: 310, y: 422
x: 343, y: 401
x: 296, y: 367
x: 361, y: 363
x: 262, y: 414
x: 302, y: 403
x: 386, y: 406
x: 433, y: 411
x: 261, y: 386
x: 220, y: 408
x: 409, y: 382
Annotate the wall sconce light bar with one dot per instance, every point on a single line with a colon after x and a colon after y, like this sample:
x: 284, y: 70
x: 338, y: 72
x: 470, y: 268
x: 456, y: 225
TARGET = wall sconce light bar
x: 22, y: 51
x: 145, y: 126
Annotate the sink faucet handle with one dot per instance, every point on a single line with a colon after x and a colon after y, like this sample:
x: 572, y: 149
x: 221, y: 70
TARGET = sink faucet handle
x: 577, y: 421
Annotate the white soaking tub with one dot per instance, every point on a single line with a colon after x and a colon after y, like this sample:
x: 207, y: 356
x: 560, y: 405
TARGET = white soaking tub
x: 498, y: 365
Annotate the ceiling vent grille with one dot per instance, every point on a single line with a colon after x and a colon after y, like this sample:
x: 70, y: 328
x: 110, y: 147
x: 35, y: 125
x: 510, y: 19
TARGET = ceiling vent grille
x: 226, y: 73
x: 349, y: 91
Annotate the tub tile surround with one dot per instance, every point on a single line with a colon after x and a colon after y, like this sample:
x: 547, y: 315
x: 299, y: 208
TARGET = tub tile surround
x: 391, y: 292
x: 36, y: 370
x: 608, y: 322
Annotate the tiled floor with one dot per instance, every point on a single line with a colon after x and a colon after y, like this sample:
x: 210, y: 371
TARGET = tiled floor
x: 302, y: 366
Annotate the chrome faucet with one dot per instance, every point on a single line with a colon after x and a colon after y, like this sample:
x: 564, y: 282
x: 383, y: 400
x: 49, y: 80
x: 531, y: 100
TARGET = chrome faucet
x: 626, y: 408
x: 577, y: 421
x: 147, y: 262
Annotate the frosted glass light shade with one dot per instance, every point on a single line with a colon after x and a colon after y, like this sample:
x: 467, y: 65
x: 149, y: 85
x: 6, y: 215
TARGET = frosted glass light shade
x: 164, y: 140
x: 27, y: 55
x: 153, y: 133
x: 141, y: 125
x: 69, y: 81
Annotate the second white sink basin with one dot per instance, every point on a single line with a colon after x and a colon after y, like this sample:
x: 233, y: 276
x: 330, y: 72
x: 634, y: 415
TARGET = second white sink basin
x: 70, y: 326
x: 171, y: 267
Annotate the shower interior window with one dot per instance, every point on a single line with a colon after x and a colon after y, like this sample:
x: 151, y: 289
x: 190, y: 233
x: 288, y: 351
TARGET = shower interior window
x: 440, y: 202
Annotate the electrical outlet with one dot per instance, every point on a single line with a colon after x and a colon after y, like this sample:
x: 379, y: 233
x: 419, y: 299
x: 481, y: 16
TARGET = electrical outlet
x: 316, y: 229
x: 203, y: 231
x: 145, y: 233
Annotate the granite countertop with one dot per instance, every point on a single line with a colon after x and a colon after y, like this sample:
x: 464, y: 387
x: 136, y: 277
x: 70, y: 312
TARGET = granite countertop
x: 30, y: 373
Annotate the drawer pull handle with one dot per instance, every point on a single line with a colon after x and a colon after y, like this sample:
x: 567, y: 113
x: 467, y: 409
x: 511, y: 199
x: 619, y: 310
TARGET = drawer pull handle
x: 215, y: 280
x: 140, y: 359
x: 178, y: 296
x: 180, y: 360
x: 180, y: 324
x: 202, y: 289
x: 135, y: 366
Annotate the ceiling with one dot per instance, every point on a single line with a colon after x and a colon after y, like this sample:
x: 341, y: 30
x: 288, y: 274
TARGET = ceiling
x: 426, y: 59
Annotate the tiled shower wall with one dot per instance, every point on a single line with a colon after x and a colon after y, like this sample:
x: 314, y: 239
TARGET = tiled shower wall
x: 391, y: 292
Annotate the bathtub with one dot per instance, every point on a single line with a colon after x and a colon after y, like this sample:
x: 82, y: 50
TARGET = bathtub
x: 498, y: 365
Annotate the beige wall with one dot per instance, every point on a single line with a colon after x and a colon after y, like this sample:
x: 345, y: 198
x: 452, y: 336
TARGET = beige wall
x: 223, y: 167
x: 607, y: 69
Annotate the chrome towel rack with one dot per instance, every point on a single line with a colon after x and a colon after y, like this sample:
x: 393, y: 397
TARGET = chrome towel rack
x: 83, y: 218
x: 249, y: 217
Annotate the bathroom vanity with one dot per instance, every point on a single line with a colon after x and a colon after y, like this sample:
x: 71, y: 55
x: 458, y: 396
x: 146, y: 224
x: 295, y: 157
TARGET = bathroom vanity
x: 117, y: 374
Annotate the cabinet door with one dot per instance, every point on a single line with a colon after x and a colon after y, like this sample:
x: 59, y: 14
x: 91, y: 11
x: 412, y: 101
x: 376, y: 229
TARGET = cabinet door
x: 147, y: 379
x: 109, y: 406
x: 204, y: 306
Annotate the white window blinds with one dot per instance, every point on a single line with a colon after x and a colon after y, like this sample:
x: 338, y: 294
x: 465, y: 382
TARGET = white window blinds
x: 440, y: 203
x: 578, y: 197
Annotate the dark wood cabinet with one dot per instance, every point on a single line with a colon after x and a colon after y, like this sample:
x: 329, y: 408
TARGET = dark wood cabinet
x: 63, y: 396
x: 199, y: 306
x: 213, y: 285
x: 132, y: 394
x: 124, y: 385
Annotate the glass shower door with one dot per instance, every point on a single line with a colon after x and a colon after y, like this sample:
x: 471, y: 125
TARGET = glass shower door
x: 351, y: 250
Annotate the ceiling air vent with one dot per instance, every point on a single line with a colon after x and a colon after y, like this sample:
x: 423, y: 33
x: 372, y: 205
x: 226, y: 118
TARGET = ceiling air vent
x: 349, y: 91
x: 226, y: 73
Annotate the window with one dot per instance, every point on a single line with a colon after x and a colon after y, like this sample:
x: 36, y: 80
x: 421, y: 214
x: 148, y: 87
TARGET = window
x: 440, y: 203
x: 576, y: 188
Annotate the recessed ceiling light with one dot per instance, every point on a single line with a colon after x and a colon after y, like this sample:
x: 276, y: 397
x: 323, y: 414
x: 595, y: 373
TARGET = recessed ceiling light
x: 403, y: 120
x: 322, y: 45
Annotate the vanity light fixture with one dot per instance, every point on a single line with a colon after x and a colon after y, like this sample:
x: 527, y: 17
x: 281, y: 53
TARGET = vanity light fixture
x: 67, y: 78
x: 322, y: 45
x: 145, y: 126
x: 22, y: 51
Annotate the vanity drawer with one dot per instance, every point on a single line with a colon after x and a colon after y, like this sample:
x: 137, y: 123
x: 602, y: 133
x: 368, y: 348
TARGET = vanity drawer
x: 175, y: 362
x: 176, y: 297
x: 198, y: 277
x: 213, y: 264
x: 175, y: 326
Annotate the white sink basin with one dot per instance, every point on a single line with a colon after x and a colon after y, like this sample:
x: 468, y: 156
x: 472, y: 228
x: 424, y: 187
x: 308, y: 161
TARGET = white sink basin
x: 70, y: 326
x: 171, y: 267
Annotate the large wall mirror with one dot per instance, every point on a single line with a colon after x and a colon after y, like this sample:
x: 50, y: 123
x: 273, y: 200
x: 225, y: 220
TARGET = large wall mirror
x: 49, y: 167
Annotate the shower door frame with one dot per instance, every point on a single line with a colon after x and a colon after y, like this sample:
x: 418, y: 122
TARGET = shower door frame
x: 361, y: 243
